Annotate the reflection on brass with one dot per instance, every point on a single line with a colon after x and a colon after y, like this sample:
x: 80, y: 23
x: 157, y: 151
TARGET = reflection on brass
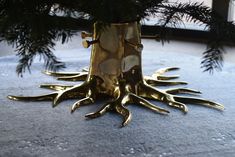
x: 158, y: 82
x: 85, y: 35
x: 55, y: 86
x: 129, y: 62
x: 156, y: 37
x: 87, y: 43
x: 137, y: 47
x: 159, y: 73
x: 115, y: 71
x: 62, y: 74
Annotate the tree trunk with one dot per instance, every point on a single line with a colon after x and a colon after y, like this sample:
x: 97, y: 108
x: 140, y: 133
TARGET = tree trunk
x: 116, y: 56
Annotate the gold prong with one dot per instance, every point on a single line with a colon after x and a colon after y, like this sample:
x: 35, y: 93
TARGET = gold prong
x: 56, y: 87
x: 33, y: 98
x: 61, y: 74
x: 161, y: 77
x: 85, y: 34
x: 79, y: 77
x: 179, y: 105
x: 86, y: 69
x: 84, y: 101
x: 176, y: 101
x: 58, y: 98
x: 165, y: 83
x: 155, y: 82
x: 87, y: 43
x: 125, y: 114
x: 147, y: 104
x: 199, y: 101
x: 100, y: 112
x: 73, y: 92
x: 164, y: 70
x: 182, y: 90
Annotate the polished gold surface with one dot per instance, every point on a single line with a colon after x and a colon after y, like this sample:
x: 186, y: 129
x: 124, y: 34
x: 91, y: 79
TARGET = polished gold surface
x: 85, y: 35
x: 87, y: 43
x: 115, y: 71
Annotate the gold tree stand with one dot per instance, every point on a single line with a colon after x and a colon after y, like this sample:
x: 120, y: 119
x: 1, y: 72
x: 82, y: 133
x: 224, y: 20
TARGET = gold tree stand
x: 115, y: 71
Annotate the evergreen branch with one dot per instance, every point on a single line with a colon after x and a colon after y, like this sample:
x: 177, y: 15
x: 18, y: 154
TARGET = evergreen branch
x: 29, y: 46
x: 220, y: 30
x: 175, y: 14
x: 35, y: 34
x: 34, y: 26
x: 212, y: 58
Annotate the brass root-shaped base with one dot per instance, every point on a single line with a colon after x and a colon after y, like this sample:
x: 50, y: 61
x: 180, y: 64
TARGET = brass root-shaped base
x: 116, y: 71
x: 124, y: 94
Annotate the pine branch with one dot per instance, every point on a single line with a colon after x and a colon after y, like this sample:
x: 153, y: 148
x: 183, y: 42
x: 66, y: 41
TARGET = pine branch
x: 220, y: 30
x: 212, y: 58
x: 34, y: 26
x: 34, y: 31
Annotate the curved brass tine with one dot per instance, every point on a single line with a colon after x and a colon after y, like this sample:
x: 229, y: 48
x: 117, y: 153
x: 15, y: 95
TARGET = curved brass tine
x: 125, y: 113
x: 79, y: 77
x: 164, y: 70
x: 85, y: 69
x: 199, y: 101
x: 152, y: 93
x: 73, y: 92
x: 161, y: 77
x: 84, y: 101
x: 33, y: 98
x: 85, y: 34
x: 147, y: 91
x: 56, y: 87
x: 100, y: 112
x: 178, y: 105
x: 156, y: 82
x: 182, y: 91
x: 60, y: 74
x: 145, y: 103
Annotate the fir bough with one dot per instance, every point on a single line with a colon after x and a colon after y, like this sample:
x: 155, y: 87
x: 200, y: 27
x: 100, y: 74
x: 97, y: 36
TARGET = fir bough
x: 34, y: 26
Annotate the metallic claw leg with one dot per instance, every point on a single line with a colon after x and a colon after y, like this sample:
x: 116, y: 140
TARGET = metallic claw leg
x: 152, y: 93
x: 176, y: 101
x: 86, y: 69
x: 56, y: 87
x: 74, y: 92
x: 81, y: 102
x: 117, y: 105
x: 164, y: 70
x: 155, y: 82
x: 100, y: 112
x: 199, y: 101
x: 33, y: 98
x: 159, y: 77
x: 182, y: 90
x: 145, y: 103
x: 178, y: 105
x: 125, y: 113
x: 61, y: 74
x: 80, y: 77
x: 159, y: 74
